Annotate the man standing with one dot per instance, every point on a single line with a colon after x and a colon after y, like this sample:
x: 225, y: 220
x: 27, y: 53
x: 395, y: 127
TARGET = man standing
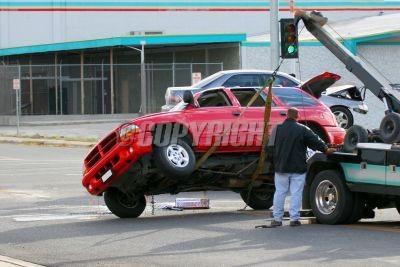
x: 290, y: 148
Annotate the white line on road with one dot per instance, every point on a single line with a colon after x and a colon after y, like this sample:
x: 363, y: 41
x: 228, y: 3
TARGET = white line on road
x: 8, y: 158
x: 7, y: 261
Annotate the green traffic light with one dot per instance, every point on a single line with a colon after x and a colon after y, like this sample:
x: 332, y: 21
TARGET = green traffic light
x: 291, y: 49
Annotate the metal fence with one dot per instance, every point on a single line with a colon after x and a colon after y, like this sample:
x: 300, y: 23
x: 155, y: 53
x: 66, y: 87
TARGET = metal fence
x: 93, y: 88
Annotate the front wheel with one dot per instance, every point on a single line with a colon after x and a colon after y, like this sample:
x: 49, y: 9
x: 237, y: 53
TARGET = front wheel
x: 175, y: 160
x: 258, y: 199
x: 330, y: 199
x: 124, y: 205
x: 343, y: 116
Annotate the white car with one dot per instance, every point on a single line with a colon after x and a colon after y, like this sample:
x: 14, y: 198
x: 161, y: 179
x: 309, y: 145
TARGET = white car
x: 342, y: 100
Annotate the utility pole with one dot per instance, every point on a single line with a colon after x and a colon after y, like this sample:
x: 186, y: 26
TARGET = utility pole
x: 274, y: 32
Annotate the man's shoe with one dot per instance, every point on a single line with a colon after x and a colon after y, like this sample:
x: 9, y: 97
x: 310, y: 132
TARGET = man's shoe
x: 276, y: 223
x: 295, y: 223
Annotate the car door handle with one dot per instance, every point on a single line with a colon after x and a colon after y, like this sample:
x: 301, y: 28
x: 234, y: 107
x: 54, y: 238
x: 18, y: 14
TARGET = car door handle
x: 363, y: 165
x: 236, y: 113
x: 283, y: 113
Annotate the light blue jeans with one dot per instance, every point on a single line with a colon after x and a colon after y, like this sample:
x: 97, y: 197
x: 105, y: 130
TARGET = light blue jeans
x: 284, y: 183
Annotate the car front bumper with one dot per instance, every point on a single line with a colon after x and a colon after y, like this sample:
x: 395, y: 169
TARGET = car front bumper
x: 107, y: 167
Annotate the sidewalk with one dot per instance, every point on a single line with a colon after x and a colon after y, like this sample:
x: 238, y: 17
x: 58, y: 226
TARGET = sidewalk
x: 84, y: 135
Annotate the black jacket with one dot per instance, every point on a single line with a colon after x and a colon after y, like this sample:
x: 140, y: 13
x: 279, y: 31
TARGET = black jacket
x: 291, y: 140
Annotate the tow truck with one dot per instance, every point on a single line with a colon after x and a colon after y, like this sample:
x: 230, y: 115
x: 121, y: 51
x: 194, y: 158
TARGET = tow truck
x: 347, y: 186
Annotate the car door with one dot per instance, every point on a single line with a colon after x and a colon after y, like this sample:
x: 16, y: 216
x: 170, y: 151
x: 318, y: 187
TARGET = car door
x: 212, y: 119
x: 253, y: 116
x: 370, y: 170
x: 393, y: 168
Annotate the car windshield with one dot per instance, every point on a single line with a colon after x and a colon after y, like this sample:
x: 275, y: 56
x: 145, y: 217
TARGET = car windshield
x: 207, y: 80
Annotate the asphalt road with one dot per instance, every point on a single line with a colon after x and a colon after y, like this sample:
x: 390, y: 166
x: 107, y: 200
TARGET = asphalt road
x: 47, y: 218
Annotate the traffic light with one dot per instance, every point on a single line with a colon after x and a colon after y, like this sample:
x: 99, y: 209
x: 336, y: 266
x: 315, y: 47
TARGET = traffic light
x: 289, y: 39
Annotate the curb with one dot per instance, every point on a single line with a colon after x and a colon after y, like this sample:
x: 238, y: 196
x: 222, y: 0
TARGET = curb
x: 44, y: 142
x: 7, y: 261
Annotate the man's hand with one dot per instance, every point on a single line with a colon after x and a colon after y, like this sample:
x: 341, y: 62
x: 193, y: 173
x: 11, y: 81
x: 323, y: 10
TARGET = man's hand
x: 330, y: 150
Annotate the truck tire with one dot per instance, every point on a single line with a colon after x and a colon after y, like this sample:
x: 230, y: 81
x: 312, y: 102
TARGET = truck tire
x: 355, y: 134
x: 175, y: 160
x: 358, y: 209
x: 343, y: 116
x: 390, y: 128
x: 330, y: 199
x: 258, y: 200
x: 124, y: 205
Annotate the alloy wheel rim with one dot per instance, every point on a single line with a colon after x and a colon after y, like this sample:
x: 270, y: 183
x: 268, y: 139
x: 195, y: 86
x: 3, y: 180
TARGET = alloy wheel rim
x: 178, y: 155
x: 326, y: 197
x: 341, y: 118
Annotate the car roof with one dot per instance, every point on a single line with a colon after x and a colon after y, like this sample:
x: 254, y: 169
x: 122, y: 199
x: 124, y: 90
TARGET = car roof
x: 250, y: 71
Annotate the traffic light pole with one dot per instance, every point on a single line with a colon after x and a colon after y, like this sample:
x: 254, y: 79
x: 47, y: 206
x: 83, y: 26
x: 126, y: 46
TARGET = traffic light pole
x: 274, y: 33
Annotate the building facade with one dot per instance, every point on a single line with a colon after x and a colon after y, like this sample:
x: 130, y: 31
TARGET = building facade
x: 83, y: 57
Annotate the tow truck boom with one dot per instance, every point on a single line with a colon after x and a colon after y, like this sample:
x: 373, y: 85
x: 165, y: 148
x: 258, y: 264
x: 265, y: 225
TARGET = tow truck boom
x: 314, y: 22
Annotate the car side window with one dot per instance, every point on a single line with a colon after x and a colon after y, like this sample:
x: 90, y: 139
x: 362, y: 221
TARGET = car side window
x: 243, y: 80
x: 372, y: 156
x: 244, y: 97
x: 294, y: 97
x: 214, y: 98
x: 284, y: 82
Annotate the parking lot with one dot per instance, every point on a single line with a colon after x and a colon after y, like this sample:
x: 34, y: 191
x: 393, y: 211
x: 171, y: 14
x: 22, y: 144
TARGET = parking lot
x: 47, y: 218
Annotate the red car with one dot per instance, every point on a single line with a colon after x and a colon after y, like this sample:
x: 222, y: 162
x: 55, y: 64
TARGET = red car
x: 157, y: 153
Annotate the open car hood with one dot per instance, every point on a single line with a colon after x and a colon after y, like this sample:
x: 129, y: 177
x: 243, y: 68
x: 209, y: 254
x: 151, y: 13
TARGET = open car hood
x: 315, y: 86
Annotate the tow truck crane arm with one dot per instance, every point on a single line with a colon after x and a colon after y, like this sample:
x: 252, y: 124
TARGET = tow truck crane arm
x: 314, y: 23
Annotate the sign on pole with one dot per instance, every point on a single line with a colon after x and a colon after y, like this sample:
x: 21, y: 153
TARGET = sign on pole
x: 196, y: 77
x: 16, y: 84
x: 17, y: 88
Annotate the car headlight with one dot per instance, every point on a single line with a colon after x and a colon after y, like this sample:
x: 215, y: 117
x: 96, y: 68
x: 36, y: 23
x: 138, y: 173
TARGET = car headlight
x: 127, y: 131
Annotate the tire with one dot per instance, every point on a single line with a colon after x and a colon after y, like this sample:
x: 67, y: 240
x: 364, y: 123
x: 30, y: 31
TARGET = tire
x: 343, y: 116
x: 258, y: 200
x: 358, y: 209
x: 355, y: 134
x: 122, y: 205
x: 341, y: 200
x: 390, y: 128
x: 175, y: 160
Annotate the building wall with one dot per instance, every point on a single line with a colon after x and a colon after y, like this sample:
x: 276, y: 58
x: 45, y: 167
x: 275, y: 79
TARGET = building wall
x: 49, y: 21
x: 317, y: 59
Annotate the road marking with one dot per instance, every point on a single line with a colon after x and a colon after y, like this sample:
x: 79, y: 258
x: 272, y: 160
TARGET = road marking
x: 2, y: 158
x: 7, y: 261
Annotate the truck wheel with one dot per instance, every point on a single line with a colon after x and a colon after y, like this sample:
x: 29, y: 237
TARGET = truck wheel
x: 390, y: 128
x: 175, y: 160
x: 330, y: 199
x: 358, y: 209
x: 355, y: 134
x: 124, y: 205
x: 258, y: 200
x: 343, y: 116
